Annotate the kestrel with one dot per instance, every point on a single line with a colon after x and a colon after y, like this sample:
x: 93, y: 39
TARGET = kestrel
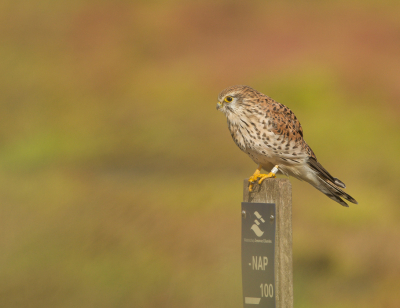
x: 271, y: 135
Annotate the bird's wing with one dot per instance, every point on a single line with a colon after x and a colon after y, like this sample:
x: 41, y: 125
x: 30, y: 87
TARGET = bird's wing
x: 284, y: 121
x: 285, y: 124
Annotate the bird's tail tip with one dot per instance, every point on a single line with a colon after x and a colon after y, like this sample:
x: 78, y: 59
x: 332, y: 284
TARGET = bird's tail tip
x: 339, y: 183
x: 335, y: 193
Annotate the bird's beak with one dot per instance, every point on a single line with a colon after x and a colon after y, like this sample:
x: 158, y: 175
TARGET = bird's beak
x: 219, y: 105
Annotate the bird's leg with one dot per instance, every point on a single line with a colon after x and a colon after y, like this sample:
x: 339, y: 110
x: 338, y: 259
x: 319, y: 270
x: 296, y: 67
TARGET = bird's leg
x: 262, y: 177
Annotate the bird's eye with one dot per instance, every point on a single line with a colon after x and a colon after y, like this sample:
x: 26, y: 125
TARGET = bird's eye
x: 228, y: 99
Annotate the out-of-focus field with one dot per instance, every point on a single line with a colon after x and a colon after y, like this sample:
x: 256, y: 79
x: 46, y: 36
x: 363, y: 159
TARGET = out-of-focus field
x: 120, y: 185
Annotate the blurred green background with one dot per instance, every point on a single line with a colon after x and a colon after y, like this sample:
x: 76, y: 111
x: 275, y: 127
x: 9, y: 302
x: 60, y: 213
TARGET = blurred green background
x: 120, y: 184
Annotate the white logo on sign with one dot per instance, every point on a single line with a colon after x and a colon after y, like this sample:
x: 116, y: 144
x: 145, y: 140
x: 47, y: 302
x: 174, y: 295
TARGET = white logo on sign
x: 255, y: 227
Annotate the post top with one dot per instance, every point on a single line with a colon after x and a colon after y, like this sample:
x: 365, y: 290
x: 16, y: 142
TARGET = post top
x: 268, y: 191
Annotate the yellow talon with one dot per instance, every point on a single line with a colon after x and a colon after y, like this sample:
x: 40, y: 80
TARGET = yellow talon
x: 257, y: 175
x: 266, y: 176
x: 251, y: 187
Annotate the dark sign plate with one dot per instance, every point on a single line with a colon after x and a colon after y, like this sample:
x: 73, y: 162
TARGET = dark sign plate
x: 258, y: 255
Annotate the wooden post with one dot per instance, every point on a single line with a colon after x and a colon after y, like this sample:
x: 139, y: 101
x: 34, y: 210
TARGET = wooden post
x: 278, y: 191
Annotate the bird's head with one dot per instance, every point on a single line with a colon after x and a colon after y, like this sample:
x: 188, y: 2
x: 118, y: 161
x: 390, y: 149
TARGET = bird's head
x: 231, y: 99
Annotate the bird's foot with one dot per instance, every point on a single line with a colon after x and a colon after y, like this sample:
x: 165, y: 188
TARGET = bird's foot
x: 266, y: 176
x: 261, y: 177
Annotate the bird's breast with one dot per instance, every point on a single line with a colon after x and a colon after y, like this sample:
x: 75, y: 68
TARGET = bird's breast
x: 254, y: 137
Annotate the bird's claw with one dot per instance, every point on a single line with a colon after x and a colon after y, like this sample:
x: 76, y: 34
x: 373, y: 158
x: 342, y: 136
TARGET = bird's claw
x: 266, y: 176
x: 260, y: 178
x: 257, y: 175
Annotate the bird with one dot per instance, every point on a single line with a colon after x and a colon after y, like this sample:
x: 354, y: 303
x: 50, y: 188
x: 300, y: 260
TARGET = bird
x: 270, y: 133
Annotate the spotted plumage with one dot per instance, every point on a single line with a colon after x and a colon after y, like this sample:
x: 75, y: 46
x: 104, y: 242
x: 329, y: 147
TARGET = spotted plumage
x: 271, y: 135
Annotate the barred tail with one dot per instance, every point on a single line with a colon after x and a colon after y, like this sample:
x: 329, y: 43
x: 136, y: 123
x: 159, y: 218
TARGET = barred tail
x: 334, y: 192
x: 328, y: 184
